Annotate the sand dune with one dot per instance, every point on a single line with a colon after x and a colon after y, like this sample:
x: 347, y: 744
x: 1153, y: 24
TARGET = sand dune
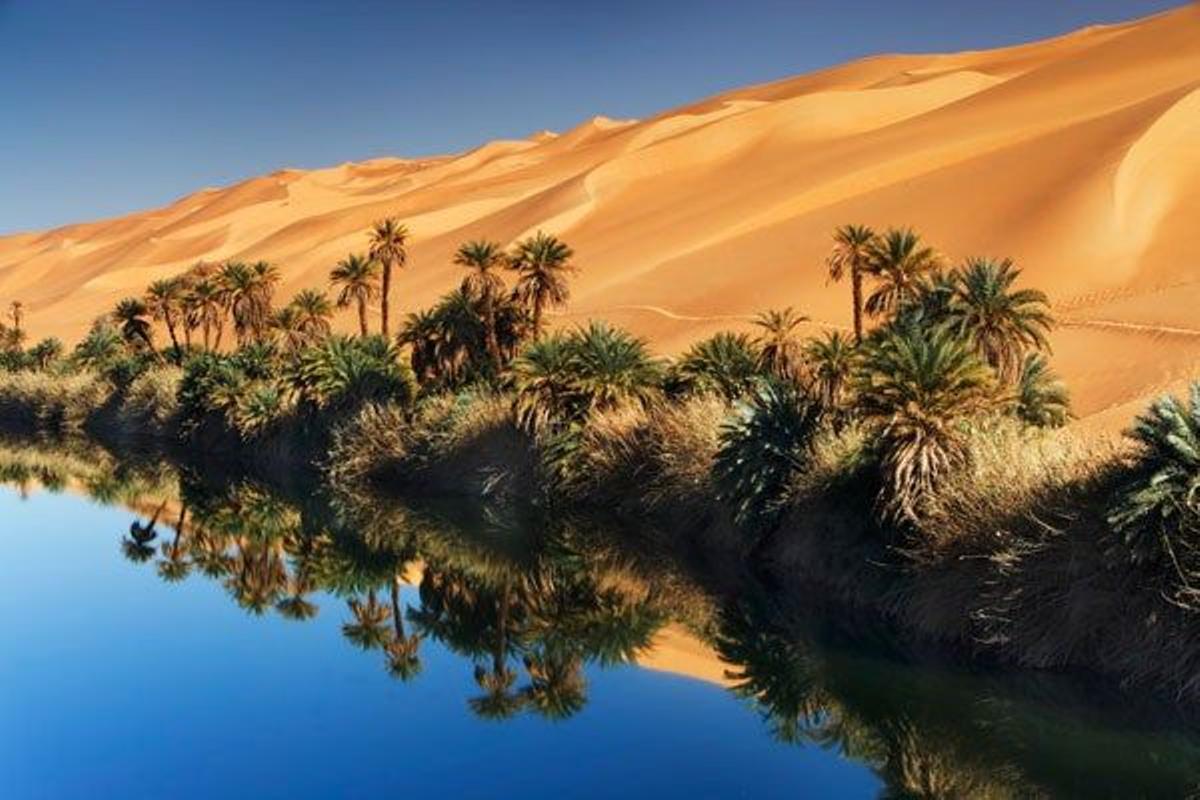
x: 1078, y: 156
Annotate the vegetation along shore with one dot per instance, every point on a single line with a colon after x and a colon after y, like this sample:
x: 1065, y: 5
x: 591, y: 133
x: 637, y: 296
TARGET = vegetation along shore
x: 918, y: 467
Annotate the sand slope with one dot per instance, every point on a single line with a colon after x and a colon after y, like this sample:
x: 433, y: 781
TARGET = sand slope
x: 1078, y: 156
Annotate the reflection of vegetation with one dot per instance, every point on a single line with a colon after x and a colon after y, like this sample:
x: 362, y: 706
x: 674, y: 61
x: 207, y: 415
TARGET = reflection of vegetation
x: 530, y: 604
x: 928, y: 732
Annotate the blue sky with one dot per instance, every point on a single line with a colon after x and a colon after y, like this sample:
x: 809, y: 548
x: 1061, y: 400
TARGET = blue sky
x: 114, y: 105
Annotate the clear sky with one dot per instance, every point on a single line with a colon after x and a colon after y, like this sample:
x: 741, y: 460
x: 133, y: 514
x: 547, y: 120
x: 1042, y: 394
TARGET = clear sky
x: 107, y: 106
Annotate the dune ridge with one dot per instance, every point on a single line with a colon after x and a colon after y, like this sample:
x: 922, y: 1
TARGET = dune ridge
x: 1078, y: 156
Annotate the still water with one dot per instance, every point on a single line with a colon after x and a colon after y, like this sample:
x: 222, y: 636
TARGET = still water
x: 166, y: 635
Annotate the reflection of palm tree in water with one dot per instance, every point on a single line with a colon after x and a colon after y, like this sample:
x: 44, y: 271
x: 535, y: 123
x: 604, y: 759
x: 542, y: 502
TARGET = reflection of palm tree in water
x: 136, y: 546
x: 557, y: 688
x: 175, y: 565
x: 368, y: 630
x: 403, y: 651
x: 498, y: 701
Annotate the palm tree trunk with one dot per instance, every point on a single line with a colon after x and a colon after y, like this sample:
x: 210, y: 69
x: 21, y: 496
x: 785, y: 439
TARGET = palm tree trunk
x: 856, y: 285
x: 220, y: 333
x: 170, y: 320
x: 489, y: 313
x: 207, y: 333
x: 386, y: 291
x: 362, y: 316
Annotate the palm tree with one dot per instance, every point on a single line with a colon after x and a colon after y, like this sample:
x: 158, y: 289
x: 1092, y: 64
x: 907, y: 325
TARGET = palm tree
x: 131, y: 316
x: 239, y: 287
x: 1003, y: 324
x: 102, y: 344
x: 915, y: 389
x: 46, y: 351
x: 389, y: 247
x: 421, y: 332
x: 357, y: 279
x: 725, y: 363
x: 206, y: 308
x: 1158, y: 512
x: 1041, y: 398
x: 542, y: 376
x: 898, y: 261
x: 851, y: 255
x: 285, y: 322
x: 543, y: 264
x: 832, y: 360
x: 313, y: 314
x: 779, y: 349
x: 482, y: 260
x: 610, y: 368
x: 164, y: 298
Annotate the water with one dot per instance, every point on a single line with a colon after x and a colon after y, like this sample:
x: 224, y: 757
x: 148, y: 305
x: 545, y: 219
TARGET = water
x: 256, y: 654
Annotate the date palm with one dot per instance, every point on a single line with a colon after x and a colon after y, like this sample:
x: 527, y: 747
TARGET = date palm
x: 832, y: 361
x: 389, y: 247
x: 403, y: 651
x: 899, y: 261
x: 313, y: 314
x: 851, y: 256
x: 543, y: 265
x: 285, y: 323
x: 164, y: 298
x: 1002, y: 323
x: 132, y: 318
x: 779, y: 350
x: 542, y: 376
x: 915, y: 390
x: 483, y: 260
x: 46, y: 352
x: 356, y: 279
x: 726, y: 364
x: 206, y: 306
x: 1158, y: 512
x: 611, y: 368
x: 1041, y: 398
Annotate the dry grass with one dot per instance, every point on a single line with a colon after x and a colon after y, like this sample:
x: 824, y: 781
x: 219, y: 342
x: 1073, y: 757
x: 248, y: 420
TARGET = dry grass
x: 38, y: 401
x: 152, y: 399
x: 650, y: 459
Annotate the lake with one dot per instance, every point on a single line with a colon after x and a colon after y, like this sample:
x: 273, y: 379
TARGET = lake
x: 171, y: 634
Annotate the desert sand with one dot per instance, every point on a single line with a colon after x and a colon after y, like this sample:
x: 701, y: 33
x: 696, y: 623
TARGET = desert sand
x: 1077, y: 156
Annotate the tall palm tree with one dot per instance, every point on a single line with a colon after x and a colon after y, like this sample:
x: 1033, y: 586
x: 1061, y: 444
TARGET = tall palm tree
x: 483, y: 259
x: 851, y: 255
x: 914, y: 391
x: 131, y: 316
x: 266, y: 277
x: 779, y: 348
x: 164, y: 298
x: 240, y: 286
x: 356, y: 278
x: 899, y: 261
x: 206, y: 307
x: 1003, y: 324
x: 543, y: 264
x: 388, y: 246
x: 313, y: 314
